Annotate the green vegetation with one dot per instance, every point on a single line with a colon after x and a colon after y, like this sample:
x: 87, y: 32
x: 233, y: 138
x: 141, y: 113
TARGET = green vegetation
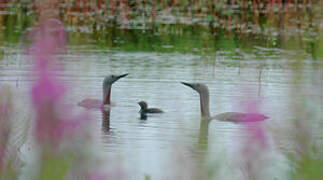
x: 201, y: 27
x: 55, y: 166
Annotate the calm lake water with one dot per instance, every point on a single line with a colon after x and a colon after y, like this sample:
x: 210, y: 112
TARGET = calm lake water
x: 173, y: 145
x: 270, y: 54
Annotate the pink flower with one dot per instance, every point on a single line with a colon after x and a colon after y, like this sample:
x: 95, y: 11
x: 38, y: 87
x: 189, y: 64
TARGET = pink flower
x: 97, y: 176
x: 254, y: 129
x: 114, y: 173
x: 255, y: 145
x: 52, y: 116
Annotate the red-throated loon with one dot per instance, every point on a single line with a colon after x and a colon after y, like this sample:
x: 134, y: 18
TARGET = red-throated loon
x: 203, y: 90
x: 107, y: 84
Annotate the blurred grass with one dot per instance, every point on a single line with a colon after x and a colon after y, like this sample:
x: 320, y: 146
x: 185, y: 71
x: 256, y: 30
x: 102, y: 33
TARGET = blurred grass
x: 8, y: 172
x: 308, y: 168
x: 55, y: 165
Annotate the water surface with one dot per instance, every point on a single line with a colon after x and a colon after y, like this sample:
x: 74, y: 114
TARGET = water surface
x: 246, y: 51
x: 163, y: 145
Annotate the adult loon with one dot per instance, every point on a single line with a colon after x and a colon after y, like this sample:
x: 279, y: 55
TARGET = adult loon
x: 203, y: 91
x: 107, y: 85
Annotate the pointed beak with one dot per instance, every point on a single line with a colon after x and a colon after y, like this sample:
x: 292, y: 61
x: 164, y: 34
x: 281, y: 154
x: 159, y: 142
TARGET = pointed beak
x: 121, y: 76
x: 188, y: 84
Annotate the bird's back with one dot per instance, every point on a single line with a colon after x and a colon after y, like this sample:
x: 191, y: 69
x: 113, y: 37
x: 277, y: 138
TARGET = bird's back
x: 153, y: 110
x: 90, y: 103
x: 240, y: 117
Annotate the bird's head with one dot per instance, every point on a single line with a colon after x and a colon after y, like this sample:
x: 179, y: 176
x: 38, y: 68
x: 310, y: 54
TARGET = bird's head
x: 109, y: 80
x: 143, y: 104
x: 199, y: 87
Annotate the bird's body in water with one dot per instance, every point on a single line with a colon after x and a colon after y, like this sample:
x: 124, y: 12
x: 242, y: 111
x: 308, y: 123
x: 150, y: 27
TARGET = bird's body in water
x: 107, y: 85
x: 203, y: 91
x: 145, y: 110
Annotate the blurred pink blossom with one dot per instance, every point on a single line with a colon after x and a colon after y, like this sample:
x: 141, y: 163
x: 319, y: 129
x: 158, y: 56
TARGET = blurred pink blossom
x: 255, y: 146
x: 97, y: 176
x: 52, y: 116
x: 254, y: 129
x: 114, y: 173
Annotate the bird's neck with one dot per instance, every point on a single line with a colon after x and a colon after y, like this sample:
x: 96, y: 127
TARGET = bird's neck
x: 142, y: 109
x: 204, y: 104
x: 106, y: 95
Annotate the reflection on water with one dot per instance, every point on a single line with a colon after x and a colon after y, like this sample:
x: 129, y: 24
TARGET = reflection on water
x: 147, y: 147
x: 105, y: 120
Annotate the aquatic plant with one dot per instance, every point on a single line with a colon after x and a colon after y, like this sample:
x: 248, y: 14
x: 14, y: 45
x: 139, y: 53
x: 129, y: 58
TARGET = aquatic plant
x: 52, y: 118
x: 55, y: 121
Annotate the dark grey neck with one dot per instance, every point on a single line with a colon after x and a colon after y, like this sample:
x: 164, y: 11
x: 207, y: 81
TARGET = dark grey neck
x: 204, y: 104
x: 106, y: 89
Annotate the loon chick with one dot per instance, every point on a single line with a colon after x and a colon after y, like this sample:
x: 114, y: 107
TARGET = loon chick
x: 203, y: 91
x: 107, y: 84
x: 145, y: 110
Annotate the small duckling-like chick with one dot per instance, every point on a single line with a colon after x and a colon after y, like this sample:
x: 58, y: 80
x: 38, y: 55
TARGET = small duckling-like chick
x: 145, y: 110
